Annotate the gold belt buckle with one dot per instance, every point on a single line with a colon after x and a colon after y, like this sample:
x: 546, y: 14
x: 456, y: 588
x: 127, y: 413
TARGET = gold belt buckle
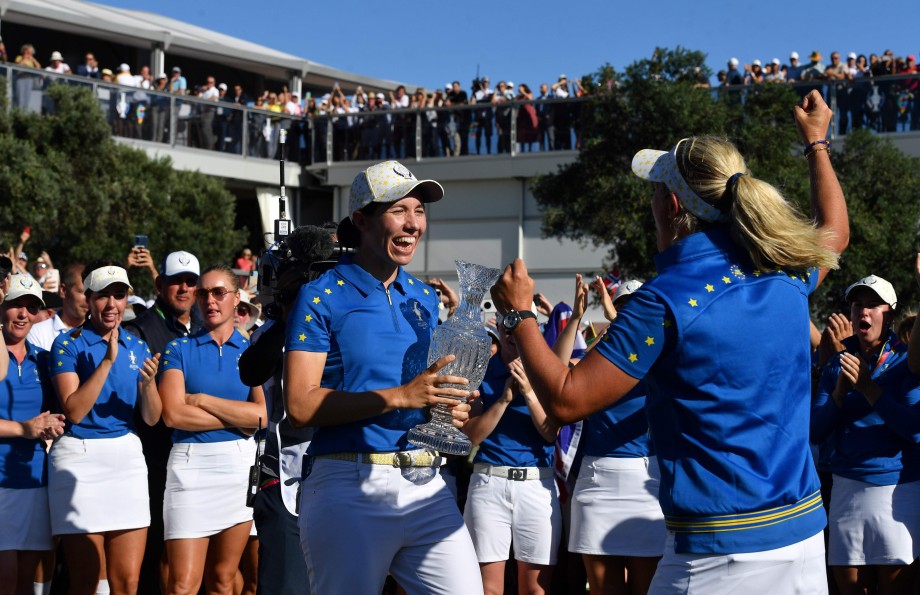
x: 402, y: 460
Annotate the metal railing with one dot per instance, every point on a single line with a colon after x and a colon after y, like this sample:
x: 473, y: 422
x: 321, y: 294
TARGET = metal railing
x: 512, y: 128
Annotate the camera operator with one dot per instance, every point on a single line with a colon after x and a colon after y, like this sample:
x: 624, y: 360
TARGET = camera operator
x: 282, y: 568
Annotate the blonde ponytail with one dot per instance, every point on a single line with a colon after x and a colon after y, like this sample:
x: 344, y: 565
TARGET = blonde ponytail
x: 772, y: 230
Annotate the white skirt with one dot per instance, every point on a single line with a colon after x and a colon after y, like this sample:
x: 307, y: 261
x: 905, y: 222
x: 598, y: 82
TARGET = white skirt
x: 873, y: 525
x: 615, y: 509
x: 206, y: 488
x: 25, y: 521
x: 97, y: 485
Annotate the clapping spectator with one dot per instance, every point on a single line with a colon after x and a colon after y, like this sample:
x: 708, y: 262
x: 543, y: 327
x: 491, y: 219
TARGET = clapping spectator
x: 865, y: 411
x: 754, y: 73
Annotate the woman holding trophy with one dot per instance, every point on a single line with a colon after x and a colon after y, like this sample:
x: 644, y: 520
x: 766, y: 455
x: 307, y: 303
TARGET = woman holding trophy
x: 356, y: 369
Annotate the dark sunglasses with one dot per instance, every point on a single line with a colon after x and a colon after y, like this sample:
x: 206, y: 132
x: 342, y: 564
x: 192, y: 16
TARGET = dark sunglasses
x: 219, y: 293
x: 242, y: 310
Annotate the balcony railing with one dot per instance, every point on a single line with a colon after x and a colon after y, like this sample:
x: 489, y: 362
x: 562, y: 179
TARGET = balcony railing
x: 885, y: 105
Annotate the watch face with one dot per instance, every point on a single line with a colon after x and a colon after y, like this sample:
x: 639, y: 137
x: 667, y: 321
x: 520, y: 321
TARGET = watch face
x: 511, y: 320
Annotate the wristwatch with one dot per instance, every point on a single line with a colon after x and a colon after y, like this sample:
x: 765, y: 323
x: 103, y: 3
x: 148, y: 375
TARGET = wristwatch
x: 513, y: 318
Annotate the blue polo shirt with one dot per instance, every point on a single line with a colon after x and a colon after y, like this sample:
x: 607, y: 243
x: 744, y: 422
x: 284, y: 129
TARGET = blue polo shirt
x: 24, y: 393
x: 723, y: 348
x: 875, y: 444
x: 374, y: 339
x: 211, y: 369
x: 112, y: 415
x: 515, y: 441
x: 620, y: 430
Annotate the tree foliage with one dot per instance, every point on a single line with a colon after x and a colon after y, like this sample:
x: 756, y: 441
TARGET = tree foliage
x: 86, y: 196
x: 654, y: 103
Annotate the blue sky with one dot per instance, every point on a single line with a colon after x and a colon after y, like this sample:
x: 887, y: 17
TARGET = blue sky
x: 433, y: 42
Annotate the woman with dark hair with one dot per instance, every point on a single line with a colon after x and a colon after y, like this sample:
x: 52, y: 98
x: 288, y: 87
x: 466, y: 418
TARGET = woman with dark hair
x: 865, y: 415
x: 25, y: 423
x: 728, y: 388
x: 356, y: 369
x: 101, y: 375
x: 528, y: 126
x: 213, y: 416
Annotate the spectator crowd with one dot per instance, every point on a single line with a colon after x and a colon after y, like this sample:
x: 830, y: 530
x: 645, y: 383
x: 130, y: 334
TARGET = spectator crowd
x: 870, y: 92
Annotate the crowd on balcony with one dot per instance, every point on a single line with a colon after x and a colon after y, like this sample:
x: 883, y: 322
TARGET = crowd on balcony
x: 369, y: 124
x: 875, y: 92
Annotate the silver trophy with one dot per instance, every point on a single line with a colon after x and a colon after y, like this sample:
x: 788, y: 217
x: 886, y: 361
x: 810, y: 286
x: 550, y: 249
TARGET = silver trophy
x: 463, y: 336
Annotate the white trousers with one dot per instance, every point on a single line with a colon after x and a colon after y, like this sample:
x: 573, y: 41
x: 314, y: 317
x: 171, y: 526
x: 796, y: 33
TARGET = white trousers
x: 796, y: 569
x: 359, y: 522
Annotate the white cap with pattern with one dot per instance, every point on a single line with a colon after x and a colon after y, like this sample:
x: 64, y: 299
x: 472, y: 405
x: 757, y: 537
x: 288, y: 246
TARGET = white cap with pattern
x: 661, y: 166
x: 879, y: 286
x: 181, y: 262
x: 102, y: 277
x: 21, y: 285
x: 626, y: 288
x: 386, y: 182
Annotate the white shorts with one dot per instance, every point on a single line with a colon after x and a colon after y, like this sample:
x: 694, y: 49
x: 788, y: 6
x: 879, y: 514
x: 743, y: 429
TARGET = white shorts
x: 798, y: 568
x: 501, y: 511
x: 358, y: 522
x: 97, y: 485
x: 615, y: 509
x: 873, y: 525
x: 25, y: 520
x: 206, y: 488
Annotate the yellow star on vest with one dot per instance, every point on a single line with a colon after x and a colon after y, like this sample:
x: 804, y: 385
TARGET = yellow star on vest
x: 710, y: 288
x: 757, y: 273
x: 65, y: 343
x: 340, y: 282
x: 411, y: 282
x: 692, y: 303
x: 60, y: 364
x: 316, y: 300
x: 328, y: 291
x: 649, y: 341
x: 308, y: 318
x: 726, y: 280
x: 633, y: 358
x: 302, y: 336
x: 167, y: 352
x: 426, y: 292
x: 793, y: 277
x: 60, y: 352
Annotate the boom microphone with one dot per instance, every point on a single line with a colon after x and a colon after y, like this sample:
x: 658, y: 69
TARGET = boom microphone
x: 309, y: 243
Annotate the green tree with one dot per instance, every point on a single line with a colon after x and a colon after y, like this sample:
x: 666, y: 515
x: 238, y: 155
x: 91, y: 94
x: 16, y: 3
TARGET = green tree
x: 881, y: 185
x: 85, y: 196
x: 655, y: 102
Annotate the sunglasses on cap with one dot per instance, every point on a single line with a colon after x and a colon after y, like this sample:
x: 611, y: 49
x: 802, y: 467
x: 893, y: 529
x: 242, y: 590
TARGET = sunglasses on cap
x: 242, y: 310
x: 218, y: 293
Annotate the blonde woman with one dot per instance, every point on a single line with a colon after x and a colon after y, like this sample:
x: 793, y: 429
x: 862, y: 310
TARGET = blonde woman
x: 213, y: 415
x: 97, y: 477
x: 720, y: 337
